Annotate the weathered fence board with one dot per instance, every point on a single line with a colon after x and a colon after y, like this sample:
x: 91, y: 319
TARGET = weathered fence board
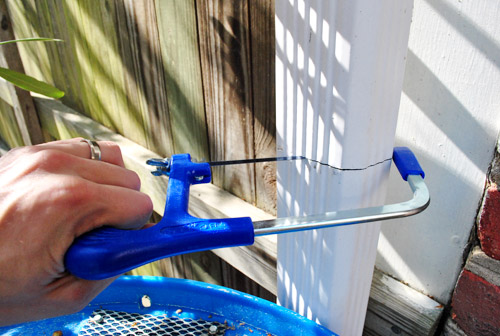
x: 396, y: 309
x: 52, y: 20
x: 145, y: 82
x: 34, y: 55
x: 28, y: 130
x: 181, y: 63
x: 138, y: 55
x: 263, y: 90
x: 225, y: 57
x: 8, y: 123
x: 106, y: 93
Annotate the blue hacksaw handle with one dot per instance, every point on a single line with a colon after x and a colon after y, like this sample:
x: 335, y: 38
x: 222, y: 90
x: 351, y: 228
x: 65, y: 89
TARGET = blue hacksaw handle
x: 106, y: 252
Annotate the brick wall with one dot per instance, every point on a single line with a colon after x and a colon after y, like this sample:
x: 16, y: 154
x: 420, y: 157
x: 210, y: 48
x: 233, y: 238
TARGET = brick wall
x: 475, y: 306
x: 489, y: 218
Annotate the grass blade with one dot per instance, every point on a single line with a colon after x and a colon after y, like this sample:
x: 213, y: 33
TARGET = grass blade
x: 31, y: 84
x: 32, y: 39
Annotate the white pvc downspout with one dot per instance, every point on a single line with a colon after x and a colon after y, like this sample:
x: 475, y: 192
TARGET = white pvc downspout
x: 339, y: 74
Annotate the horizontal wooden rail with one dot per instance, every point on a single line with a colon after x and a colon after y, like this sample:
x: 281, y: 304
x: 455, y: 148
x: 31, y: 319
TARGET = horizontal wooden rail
x: 393, y: 308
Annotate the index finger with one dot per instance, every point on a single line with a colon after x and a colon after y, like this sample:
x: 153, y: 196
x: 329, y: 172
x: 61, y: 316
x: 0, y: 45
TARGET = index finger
x: 110, y: 151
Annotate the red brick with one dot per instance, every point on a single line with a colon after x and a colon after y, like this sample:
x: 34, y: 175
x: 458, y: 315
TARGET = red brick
x: 476, y: 305
x: 489, y: 223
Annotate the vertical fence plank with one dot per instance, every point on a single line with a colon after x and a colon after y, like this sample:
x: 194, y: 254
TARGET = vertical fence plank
x: 78, y: 52
x: 106, y: 70
x: 181, y: 61
x: 25, y: 24
x: 101, y: 35
x: 94, y: 46
x: 144, y: 81
x: 56, y: 63
x: 64, y: 65
x: 46, y: 25
x: 264, y: 103
x: 225, y: 55
x: 23, y: 107
x: 9, y: 131
x: 29, y: 17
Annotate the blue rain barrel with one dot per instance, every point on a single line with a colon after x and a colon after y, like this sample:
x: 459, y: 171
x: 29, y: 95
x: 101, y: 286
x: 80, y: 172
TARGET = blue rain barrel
x: 135, y: 305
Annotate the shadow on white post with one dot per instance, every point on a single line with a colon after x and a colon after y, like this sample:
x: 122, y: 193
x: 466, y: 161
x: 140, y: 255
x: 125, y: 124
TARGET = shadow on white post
x: 339, y: 74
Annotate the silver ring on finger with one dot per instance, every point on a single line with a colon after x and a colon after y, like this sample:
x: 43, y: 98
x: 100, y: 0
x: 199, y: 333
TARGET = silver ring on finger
x: 95, y: 150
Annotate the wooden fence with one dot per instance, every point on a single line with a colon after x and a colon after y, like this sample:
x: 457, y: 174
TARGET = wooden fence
x: 173, y: 76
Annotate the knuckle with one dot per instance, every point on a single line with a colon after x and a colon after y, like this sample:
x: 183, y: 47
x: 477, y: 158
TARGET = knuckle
x: 134, y: 180
x: 144, y: 209
x: 50, y: 160
x: 113, y: 153
x: 143, y: 206
x: 147, y: 204
x: 75, y: 191
x: 112, y: 147
x: 21, y: 152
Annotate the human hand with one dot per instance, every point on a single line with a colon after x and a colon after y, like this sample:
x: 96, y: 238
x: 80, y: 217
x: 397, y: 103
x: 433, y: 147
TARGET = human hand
x: 49, y: 195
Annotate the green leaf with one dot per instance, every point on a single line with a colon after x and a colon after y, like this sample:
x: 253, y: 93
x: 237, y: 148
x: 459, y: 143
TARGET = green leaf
x: 31, y: 84
x: 32, y: 39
